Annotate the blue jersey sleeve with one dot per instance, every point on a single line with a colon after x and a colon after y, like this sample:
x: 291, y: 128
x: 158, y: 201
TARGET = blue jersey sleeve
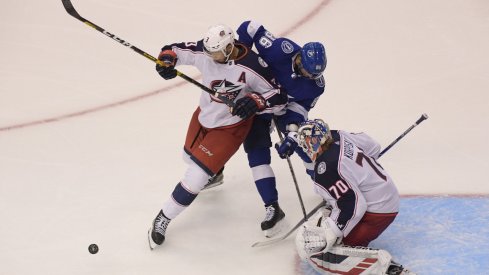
x: 268, y: 46
x: 245, y: 36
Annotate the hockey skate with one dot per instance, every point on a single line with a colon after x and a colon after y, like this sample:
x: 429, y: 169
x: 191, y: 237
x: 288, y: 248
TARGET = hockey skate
x: 216, y: 180
x: 156, y: 233
x: 274, y: 220
x: 397, y: 269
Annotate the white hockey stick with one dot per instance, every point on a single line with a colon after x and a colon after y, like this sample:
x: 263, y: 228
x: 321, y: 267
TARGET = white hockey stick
x: 272, y: 241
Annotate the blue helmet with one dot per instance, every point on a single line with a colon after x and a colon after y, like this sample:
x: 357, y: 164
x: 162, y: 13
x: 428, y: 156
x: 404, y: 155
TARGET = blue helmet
x: 313, y: 58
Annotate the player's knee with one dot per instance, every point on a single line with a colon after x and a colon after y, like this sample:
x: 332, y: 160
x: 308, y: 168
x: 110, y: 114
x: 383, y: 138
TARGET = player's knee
x: 259, y: 156
x: 195, y: 178
x: 262, y: 172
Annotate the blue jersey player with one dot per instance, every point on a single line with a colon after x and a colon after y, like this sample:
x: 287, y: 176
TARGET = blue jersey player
x: 299, y: 71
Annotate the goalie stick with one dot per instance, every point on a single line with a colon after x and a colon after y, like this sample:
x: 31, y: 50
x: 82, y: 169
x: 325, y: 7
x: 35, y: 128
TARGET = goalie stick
x: 276, y: 240
x: 72, y: 11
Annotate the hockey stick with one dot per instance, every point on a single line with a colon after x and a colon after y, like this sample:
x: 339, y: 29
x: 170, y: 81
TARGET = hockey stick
x: 293, y: 173
x: 276, y: 240
x: 272, y: 241
x: 71, y: 10
x: 421, y: 119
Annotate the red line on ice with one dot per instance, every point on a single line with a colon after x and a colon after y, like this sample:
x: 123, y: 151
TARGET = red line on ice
x: 315, y: 11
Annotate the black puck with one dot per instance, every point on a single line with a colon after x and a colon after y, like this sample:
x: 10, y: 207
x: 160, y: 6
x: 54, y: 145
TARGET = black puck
x: 93, y: 248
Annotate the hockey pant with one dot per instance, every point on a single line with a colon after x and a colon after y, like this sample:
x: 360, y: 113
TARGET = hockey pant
x: 209, y: 150
x: 369, y: 228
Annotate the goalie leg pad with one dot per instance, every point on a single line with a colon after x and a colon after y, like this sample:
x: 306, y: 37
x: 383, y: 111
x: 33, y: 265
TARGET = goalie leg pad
x: 342, y: 259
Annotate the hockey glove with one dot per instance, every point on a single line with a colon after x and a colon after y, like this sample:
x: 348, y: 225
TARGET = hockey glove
x: 169, y: 59
x: 287, y: 147
x: 318, y: 239
x: 248, y: 105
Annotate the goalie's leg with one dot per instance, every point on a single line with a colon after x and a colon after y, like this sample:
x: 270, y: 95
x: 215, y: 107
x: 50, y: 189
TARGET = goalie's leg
x: 341, y: 259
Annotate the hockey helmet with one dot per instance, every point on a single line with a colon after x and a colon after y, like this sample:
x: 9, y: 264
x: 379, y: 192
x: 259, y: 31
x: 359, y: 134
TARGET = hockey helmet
x: 217, y: 38
x: 312, y: 134
x: 313, y: 58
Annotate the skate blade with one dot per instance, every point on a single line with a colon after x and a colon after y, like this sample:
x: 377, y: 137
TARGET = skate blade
x: 212, y: 185
x: 279, y: 227
x: 152, y: 245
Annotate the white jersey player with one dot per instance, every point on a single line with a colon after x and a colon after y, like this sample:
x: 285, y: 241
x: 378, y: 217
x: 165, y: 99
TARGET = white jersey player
x: 362, y: 195
x: 215, y: 133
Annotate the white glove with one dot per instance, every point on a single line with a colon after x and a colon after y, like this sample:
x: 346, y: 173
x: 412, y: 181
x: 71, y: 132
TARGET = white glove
x: 314, y: 239
x: 315, y: 236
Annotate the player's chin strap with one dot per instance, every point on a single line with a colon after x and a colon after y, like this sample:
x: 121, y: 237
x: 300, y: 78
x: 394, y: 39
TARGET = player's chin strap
x: 71, y: 10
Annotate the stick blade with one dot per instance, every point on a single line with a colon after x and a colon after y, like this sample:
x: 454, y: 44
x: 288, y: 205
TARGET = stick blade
x: 70, y: 9
x: 269, y: 242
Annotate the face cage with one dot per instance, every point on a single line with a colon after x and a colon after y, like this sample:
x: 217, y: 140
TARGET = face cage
x: 310, y: 144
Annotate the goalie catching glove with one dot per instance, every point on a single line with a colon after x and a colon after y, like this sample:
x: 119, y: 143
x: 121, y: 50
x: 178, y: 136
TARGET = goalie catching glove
x: 249, y: 105
x: 316, y: 235
x: 169, y: 59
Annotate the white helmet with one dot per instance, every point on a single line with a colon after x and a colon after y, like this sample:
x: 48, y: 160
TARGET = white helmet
x: 217, y: 38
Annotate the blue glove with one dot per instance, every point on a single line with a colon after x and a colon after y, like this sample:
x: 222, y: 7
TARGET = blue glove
x: 169, y: 58
x: 287, y: 147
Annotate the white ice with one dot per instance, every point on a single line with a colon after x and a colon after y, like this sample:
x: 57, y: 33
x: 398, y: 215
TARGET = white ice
x: 91, y: 136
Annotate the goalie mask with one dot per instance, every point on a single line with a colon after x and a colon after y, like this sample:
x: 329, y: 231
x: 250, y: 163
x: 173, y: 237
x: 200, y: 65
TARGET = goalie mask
x: 312, y: 134
x: 217, y: 39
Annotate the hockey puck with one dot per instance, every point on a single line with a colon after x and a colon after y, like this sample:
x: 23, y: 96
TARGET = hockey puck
x: 93, y: 248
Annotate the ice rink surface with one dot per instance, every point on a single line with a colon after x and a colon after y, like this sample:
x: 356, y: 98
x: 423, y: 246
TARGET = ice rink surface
x: 91, y: 136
